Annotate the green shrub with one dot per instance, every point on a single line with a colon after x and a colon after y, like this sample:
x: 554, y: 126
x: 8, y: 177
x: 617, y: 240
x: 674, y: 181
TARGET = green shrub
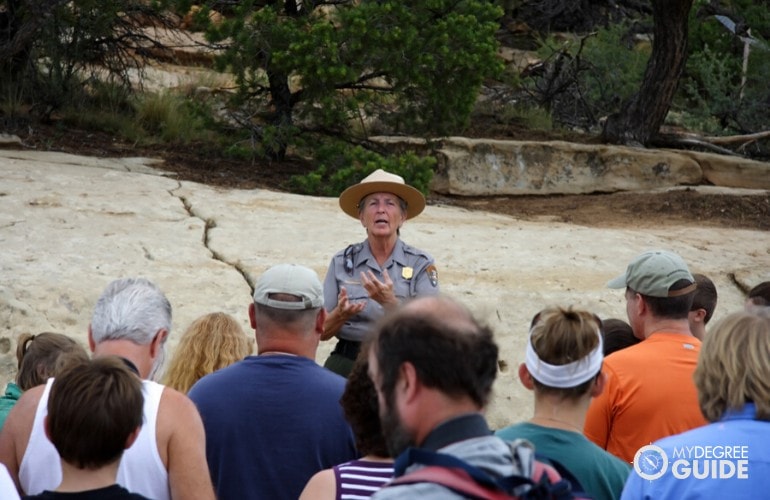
x: 415, y: 67
x: 711, y: 96
x: 101, y: 106
x: 585, y: 78
x: 615, y: 69
x: 341, y: 166
x: 169, y: 117
x: 531, y: 117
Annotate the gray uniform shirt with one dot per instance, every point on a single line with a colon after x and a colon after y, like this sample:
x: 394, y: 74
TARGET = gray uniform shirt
x: 412, y: 271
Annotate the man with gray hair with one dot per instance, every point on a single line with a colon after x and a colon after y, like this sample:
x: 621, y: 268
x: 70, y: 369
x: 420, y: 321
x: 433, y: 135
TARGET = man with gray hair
x: 131, y: 320
x: 649, y: 393
x: 273, y: 420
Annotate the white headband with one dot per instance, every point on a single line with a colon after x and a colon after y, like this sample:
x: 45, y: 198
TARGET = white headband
x: 564, y: 376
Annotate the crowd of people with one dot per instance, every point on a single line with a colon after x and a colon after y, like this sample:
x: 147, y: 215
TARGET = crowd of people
x: 397, y: 411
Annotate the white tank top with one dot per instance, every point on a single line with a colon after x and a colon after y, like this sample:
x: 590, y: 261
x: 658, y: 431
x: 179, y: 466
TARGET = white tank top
x: 141, y: 468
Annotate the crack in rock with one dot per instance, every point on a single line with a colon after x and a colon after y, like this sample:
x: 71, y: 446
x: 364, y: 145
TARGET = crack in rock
x: 743, y: 288
x: 209, y: 224
x: 12, y: 223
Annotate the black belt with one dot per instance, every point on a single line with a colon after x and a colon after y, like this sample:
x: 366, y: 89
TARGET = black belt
x: 347, y: 348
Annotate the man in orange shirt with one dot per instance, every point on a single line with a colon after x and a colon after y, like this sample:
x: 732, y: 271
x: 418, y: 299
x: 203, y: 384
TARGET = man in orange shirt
x: 650, y: 393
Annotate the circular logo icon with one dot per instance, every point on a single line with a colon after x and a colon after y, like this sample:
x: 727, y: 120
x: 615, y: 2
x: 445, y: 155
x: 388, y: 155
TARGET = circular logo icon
x: 650, y: 462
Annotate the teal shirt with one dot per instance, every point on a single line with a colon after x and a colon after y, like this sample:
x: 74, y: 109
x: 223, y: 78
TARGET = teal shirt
x: 601, y: 474
x: 12, y: 395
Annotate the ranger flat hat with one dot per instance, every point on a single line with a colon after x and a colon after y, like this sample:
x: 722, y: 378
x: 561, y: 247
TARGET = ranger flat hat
x: 381, y: 181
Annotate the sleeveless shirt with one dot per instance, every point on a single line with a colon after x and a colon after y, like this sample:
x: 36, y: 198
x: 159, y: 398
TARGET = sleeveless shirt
x: 359, y: 479
x: 141, y: 468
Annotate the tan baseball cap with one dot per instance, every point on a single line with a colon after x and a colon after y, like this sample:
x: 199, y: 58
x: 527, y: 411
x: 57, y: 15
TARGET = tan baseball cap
x: 289, y: 279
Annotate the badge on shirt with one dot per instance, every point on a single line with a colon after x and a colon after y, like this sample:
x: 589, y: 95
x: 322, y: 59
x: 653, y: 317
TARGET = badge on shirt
x: 407, y: 273
x: 432, y: 274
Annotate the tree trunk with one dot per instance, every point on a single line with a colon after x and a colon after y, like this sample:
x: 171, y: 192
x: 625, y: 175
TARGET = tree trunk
x: 280, y: 94
x: 20, y: 22
x: 640, y: 118
x: 282, y: 113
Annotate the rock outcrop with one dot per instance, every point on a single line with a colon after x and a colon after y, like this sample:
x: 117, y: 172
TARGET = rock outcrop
x: 484, y: 167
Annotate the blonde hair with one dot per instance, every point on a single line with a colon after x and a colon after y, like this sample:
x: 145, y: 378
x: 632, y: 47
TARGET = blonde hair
x: 211, y: 342
x: 733, y: 368
x: 561, y: 336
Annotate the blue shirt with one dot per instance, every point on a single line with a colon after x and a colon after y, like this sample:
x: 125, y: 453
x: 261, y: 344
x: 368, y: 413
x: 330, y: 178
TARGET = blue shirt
x: 736, y: 445
x: 412, y: 271
x: 271, y: 422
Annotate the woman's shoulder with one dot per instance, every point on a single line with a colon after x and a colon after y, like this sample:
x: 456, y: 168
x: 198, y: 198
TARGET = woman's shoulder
x: 322, y: 485
x: 353, y: 248
x: 411, y: 250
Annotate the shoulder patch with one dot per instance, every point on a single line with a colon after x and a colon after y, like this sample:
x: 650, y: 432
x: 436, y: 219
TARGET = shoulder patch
x: 432, y: 274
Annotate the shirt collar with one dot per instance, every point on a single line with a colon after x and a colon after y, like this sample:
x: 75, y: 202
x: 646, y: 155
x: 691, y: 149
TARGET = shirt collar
x: 397, y: 255
x: 748, y: 412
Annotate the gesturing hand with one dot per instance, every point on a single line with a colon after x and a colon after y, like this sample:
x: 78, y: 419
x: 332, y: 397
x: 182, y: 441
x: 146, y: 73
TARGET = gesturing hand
x: 381, y: 291
x: 340, y: 314
x: 347, y: 308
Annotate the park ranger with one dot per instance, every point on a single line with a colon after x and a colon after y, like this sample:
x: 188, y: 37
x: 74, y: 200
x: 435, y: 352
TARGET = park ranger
x: 367, y: 278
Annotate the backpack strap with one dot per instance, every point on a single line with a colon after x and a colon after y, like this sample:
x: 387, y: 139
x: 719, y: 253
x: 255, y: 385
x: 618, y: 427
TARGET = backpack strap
x: 550, y: 466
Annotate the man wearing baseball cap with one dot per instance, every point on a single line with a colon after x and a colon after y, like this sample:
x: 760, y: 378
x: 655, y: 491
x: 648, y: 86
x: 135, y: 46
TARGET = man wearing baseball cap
x: 273, y: 420
x: 650, y: 393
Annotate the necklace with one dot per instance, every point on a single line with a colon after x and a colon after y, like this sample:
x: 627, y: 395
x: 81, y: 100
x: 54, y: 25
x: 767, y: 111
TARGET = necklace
x: 563, y: 422
x: 276, y: 353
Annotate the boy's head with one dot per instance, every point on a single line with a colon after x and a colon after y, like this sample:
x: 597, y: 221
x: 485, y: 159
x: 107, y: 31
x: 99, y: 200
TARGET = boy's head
x: 94, y: 412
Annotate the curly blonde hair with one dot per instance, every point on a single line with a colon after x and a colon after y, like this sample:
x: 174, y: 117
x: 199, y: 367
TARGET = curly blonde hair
x: 732, y: 367
x: 211, y: 342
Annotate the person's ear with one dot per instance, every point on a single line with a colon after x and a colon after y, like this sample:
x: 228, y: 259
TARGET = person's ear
x: 91, y: 343
x: 320, y: 319
x: 640, y: 307
x: 526, y: 378
x: 157, y: 342
x: 599, y: 383
x: 253, y: 315
x: 699, y: 315
x: 408, y: 382
x: 361, y: 217
x: 132, y: 437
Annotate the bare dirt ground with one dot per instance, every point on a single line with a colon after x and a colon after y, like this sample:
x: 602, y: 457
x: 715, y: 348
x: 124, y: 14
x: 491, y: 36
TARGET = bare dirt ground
x: 681, y: 207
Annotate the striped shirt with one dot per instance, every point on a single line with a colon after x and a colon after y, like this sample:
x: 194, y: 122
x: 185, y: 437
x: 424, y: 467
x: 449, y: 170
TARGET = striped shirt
x: 359, y: 479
